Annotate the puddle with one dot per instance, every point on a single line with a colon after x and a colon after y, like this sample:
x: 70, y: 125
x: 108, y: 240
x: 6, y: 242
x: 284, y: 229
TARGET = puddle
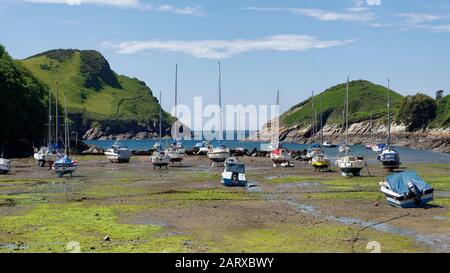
x: 442, y: 194
x: 442, y: 218
x: 440, y: 242
x: 253, y: 187
x: 276, y: 176
x: 13, y: 246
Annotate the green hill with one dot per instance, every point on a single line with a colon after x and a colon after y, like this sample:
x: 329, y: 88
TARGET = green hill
x: 365, y: 98
x: 97, y: 96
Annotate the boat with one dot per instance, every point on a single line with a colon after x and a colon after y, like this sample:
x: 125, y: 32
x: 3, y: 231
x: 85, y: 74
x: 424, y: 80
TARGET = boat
x: 41, y: 155
x: 379, y: 147
x: 279, y: 155
x: 406, y: 190
x: 219, y: 154
x: 320, y: 161
x: 62, y: 162
x: 202, y: 147
x: 314, y: 147
x: 371, y: 144
x: 233, y: 174
x: 349, y: 165
x: 328, y: 144
x: 159, y: 158
x: 118, y: 153
x: 176, y: 152
x: 389, y: 157
x: 5, y: 165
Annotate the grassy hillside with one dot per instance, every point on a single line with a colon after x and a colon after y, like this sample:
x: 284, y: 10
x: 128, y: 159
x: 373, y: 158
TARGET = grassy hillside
x: 443, y: 113
x: 93, y: 89
x: 364, y: 98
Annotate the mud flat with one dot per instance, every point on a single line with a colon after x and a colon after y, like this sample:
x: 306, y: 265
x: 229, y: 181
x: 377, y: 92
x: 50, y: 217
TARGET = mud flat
x: 109, y: 207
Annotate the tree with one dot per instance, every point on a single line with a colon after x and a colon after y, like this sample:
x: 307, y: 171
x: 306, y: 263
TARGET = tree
x: 417, y: 111
x: 439, y: 94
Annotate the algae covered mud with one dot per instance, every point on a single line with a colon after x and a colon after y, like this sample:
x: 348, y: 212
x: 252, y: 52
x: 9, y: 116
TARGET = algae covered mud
x: 132, y: 208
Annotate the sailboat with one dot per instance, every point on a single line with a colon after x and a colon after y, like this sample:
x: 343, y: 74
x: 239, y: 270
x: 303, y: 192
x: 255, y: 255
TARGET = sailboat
x: 371, y: 144
x: 343, y: 147
x: 279, y: 155
x: 63, y: 164
x: 176, y: 151
x: 389, y: 158
x: 314, y: 147
x: 221, y: 153
x: 320, y: 161
x: 5, y: 165
x: 41, y: 154
x: 159, y: 158
x: 118, y: 153
x: 349, y: 164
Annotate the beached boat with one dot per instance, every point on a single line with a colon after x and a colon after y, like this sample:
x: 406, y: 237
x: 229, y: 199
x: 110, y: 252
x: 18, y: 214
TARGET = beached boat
x: 159, y: 158
x: 202, y: 148
x: 389, y: 157
x: 221, y: 153
x: 176, y: 152
x: 118, y: 153
x: 5, y: 165
x: 62, y: 162
x: 233, y: 174
x: 406, y: 190
x: 279, y: 155
x: 320, y: 161
x: 348, y: 164
x: 328, y: 144
x: 41, y: 155
x: 379, y: 147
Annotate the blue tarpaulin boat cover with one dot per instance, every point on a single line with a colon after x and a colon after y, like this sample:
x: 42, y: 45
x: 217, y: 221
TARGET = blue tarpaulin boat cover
x: 399, y: 182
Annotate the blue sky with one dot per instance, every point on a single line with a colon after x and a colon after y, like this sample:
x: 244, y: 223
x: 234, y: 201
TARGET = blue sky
x: 295, y: 46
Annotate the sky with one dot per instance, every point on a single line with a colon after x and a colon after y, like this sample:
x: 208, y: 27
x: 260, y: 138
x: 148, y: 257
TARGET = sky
x: 294, y: 46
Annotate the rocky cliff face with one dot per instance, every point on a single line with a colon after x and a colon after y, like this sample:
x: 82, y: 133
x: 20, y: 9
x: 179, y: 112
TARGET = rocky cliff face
x: 360, y: 133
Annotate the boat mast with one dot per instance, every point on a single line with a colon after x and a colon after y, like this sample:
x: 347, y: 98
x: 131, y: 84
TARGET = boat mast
x: 160, y: 113
x: 346, y: 114
x: 371, y: 127
x: 176, y: 90
x: 66, y: 128
x: 49, y: 140
x: 56, y: 115
x: 321, y: 123
x: 389, y: 114
x: 220, y: 103
x: 278, y: 112
x: 313, y: 116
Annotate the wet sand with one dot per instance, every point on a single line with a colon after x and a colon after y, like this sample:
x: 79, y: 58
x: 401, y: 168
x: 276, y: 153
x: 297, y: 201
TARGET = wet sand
x: 186, y: 209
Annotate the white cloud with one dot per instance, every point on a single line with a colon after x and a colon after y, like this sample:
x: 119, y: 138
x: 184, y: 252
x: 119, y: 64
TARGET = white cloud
x: 374, y: 2
x: 419, y: 17
x: 134, y: 4
x: 221, y: 49
x: 324, y: 15
x: 428, y: 27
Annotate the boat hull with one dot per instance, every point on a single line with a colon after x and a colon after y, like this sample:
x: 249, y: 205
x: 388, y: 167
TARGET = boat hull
x: 406, y: 201
x: 218, y: 157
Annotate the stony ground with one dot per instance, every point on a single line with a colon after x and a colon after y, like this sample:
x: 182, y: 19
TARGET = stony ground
x: 186, y: 209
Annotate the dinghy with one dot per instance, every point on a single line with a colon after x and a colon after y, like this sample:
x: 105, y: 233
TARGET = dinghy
x: 406, y: 190
x: 64, y: 165
x: 118, y: 153
x: 5, y: 165
x: 233, y: 174
x: 328, y: 144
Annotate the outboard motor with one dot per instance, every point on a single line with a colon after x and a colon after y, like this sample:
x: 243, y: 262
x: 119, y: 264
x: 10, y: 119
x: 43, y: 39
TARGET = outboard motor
x: 415, y: 193
x: 235, y: 178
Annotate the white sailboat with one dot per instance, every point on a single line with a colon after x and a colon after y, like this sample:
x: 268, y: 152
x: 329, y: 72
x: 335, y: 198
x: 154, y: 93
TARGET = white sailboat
x: 279, y: 155
x: 41, y: 154
x: 314, y: 146
x: 349, y: 164
x: 389, y: 157
x: 118, y: 153
x: 343, y: 147
x: 159, y: 158
x: 176, y: 151
x: 63, y: 163
x: 221, y: 153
